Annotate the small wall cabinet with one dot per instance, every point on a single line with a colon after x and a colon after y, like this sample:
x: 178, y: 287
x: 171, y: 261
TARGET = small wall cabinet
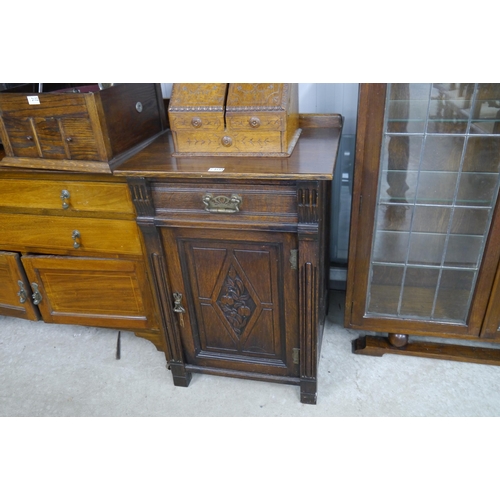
x: 425, y: 233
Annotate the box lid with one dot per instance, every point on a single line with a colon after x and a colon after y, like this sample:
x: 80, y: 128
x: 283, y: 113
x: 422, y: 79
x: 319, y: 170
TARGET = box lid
x: 257, y: 97
x: 198, y: 97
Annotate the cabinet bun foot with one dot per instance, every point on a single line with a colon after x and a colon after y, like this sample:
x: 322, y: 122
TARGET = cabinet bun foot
x: 398, y: 339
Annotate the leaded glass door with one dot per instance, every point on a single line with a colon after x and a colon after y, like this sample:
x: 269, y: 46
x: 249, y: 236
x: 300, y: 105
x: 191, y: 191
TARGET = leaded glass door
x: 428, y: 173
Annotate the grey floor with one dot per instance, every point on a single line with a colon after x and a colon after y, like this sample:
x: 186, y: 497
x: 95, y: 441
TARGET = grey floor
x: 59, y: 370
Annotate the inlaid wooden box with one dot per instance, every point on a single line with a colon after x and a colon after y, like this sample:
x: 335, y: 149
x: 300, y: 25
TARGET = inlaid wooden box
x: 83, y: 128
x: 235, y: 119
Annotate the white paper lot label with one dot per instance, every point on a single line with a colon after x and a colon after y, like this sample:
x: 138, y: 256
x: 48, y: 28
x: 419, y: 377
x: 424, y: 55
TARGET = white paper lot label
x: 33, y: 99
x: 216, y: 169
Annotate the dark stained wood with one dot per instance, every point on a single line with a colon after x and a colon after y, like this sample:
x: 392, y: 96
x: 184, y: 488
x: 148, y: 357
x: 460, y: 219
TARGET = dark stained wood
x: 242, y: 291
x: 378, y: 346
x: 91, y: 131
x: 368, y: 143
x: 312, y: 158
x: 397, y: 339
x: 491, y: 326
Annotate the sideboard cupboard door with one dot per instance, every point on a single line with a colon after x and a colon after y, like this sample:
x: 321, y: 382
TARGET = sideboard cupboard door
x: 15, y: 291
x: 91, y: 292
x: 425, y: 239
x: 235, y: 299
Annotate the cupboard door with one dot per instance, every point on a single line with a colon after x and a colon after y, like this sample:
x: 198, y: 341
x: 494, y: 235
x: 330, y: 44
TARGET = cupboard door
x: 15, y: 291
x: 92, y: 292
x: 427, y: 181
x: 238, y: 308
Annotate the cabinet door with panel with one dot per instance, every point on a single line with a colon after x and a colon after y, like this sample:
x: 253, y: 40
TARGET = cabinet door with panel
x: 90, y: 291
x: 235, y: 299
x: 425, y: 234
x: 15, y: 290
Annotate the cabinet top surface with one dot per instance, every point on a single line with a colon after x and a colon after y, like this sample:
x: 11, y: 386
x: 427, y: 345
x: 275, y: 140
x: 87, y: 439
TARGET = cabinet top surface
x: 313, y: 158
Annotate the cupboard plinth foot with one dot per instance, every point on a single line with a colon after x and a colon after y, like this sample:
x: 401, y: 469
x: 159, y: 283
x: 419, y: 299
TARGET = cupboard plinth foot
x: 180, y: 375
x: 397, y: 339
x: 378, y: 346
x: 308, y: 391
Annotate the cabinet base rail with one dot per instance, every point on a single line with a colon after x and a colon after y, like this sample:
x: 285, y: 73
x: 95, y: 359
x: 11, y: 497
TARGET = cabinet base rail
x: 370, y: 345
x: 182, y: 377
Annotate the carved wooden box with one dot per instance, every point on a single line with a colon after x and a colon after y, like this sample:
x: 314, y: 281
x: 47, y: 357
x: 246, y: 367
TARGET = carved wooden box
x: 82, y: 128
x: 235, y: 119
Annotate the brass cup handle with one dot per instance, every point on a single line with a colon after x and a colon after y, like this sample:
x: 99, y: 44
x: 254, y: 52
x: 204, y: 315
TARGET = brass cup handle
x: 65, y: 197
x: 76, y: 237
x: 222, y: 204
x: 37, y: 296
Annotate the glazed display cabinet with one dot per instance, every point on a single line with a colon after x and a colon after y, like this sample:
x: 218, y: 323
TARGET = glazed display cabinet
x: 425, y: 232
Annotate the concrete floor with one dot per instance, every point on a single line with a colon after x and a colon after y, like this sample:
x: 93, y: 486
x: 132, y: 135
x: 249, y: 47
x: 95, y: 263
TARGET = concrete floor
x: 59, y: 370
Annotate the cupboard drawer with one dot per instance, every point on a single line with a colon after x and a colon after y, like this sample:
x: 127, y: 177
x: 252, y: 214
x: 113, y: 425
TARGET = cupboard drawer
x: 66, y: 196
x: 41, y: 233
x: 224, y: 202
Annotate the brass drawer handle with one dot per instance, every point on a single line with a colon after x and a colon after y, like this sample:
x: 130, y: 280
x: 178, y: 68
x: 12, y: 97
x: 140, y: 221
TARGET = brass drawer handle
x: 226, y: 141
x: 23, y: 296
x: 37, y: 296
x: 222, y: 204
x: 64, y: 197
x: 76, y: 236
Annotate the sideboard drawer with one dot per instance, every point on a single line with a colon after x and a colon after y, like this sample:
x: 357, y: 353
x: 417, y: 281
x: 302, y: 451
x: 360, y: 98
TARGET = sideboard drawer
x: 225, y: 202
x: 68, y: 235
x: 67, y: 196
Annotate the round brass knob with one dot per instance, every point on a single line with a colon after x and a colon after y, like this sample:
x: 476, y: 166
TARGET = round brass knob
x: 254, y: 122
x: 196, y: 122
x: 226, y: 141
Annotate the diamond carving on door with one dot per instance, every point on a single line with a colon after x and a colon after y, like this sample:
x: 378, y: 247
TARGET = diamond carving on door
x: 236, y: 298
x: 235, y: 302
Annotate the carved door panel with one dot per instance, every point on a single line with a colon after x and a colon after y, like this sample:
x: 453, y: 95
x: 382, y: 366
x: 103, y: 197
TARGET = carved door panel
x: 238, y: 308
x: 15, y: 291
x: 93, y: 292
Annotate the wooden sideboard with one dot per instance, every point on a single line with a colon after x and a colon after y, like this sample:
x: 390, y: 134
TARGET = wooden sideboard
x: 238, y: 253
x: 71, y: 252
